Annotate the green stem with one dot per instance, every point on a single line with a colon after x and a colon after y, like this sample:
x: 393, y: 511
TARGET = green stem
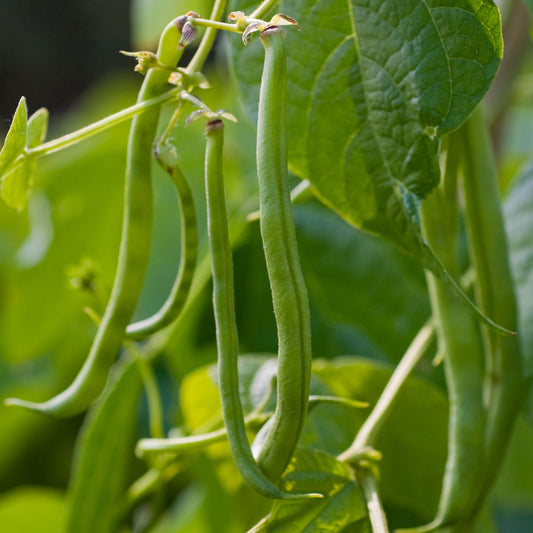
x: 206, y: 23
x: 147, y: 484
x: 101, y: 125
x: 155, y: 410
x: 367, y: 434
x: 169, y: 128
x: 198, y: 60
x: 192, y: 443
x: 263, y: 9
x: 504, y: 384
x: 377, y: 516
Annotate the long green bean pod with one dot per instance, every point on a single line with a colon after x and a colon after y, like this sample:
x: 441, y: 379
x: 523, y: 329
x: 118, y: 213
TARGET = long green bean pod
x: 177, y: 298
x: 504, y: 382
x: 226, y: 327
x: 460, y: 340
x: 134, y: 246
x: 289, y: 294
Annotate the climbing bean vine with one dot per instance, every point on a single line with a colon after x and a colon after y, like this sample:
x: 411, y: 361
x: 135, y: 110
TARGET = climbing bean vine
x: 391, y: 136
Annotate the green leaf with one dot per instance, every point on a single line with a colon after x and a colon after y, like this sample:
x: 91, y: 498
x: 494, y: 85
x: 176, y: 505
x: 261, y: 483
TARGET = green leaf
x: 37, y: 127
x: 343, y: 504
x: 103, y: 453
x: 17, y: 183
x: 413, y: 439
x: 371, y: 84
x: 390, y: 286
x: 519, y: 223
x: 32, y: 510
x: 15, y: 140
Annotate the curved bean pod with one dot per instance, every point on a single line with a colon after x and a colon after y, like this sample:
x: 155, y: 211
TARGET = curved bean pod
x: 289, y: 294
x: 226, y: 328
x: 175, y: 302
x: 134, y: 247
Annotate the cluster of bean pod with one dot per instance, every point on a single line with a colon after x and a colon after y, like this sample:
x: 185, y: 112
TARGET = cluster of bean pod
x: 289, y: 294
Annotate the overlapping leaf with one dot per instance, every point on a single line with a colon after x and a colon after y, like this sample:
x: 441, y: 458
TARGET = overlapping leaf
x: 312, y: 470
x: 372, y: 84
x: 15, y: 140
x: 16, y: 175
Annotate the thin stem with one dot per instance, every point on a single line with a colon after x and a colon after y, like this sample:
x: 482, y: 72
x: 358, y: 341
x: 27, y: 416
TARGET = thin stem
x: 198, y: 60
x: 152, y: 392
x: 368, y: 432
x: 101, y: 125
x: 194, y: 442
x: 172, y: 123
x: 225, y: 26
x: 148, y: 483
x: 263, y: 9
x: 368, y: 482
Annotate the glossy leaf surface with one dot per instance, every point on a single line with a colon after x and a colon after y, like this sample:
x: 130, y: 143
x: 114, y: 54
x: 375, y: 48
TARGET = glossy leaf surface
x: 372, y: 84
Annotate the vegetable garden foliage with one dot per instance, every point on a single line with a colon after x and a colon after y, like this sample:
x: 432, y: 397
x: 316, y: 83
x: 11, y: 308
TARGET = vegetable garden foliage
x: 376, y: 105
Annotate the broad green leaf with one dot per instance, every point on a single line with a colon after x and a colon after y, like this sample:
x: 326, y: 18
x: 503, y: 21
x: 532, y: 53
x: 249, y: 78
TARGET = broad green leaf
x: 32, y: 510
x: 360, y: 285
x: 15, y: 140
x: 315, y: 471
x: 413, y: 439
x: 17, y: 183
x: 103, y: 453
x: 37, y: 127
x: 518, y: 212
x: 200, y: 397
x: 372, y: 83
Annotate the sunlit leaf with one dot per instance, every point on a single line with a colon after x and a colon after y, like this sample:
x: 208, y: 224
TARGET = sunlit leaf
x: 15, y: 140
x: 314, y: 471
x: 37, y: 127
x: 16, y: 184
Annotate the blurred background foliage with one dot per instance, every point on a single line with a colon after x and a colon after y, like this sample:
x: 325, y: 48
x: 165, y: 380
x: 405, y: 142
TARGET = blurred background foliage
x: 367, y: 298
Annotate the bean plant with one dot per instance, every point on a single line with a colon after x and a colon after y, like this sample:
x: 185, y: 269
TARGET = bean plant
x: 371, y: 132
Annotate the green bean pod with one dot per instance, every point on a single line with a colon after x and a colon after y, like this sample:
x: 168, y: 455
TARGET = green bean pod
x: 177, y: 298
x: 289, y: 293
x: 504, y: 381
x: 134, y: 246
x: 459, y: 338
x: 226, y: 328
